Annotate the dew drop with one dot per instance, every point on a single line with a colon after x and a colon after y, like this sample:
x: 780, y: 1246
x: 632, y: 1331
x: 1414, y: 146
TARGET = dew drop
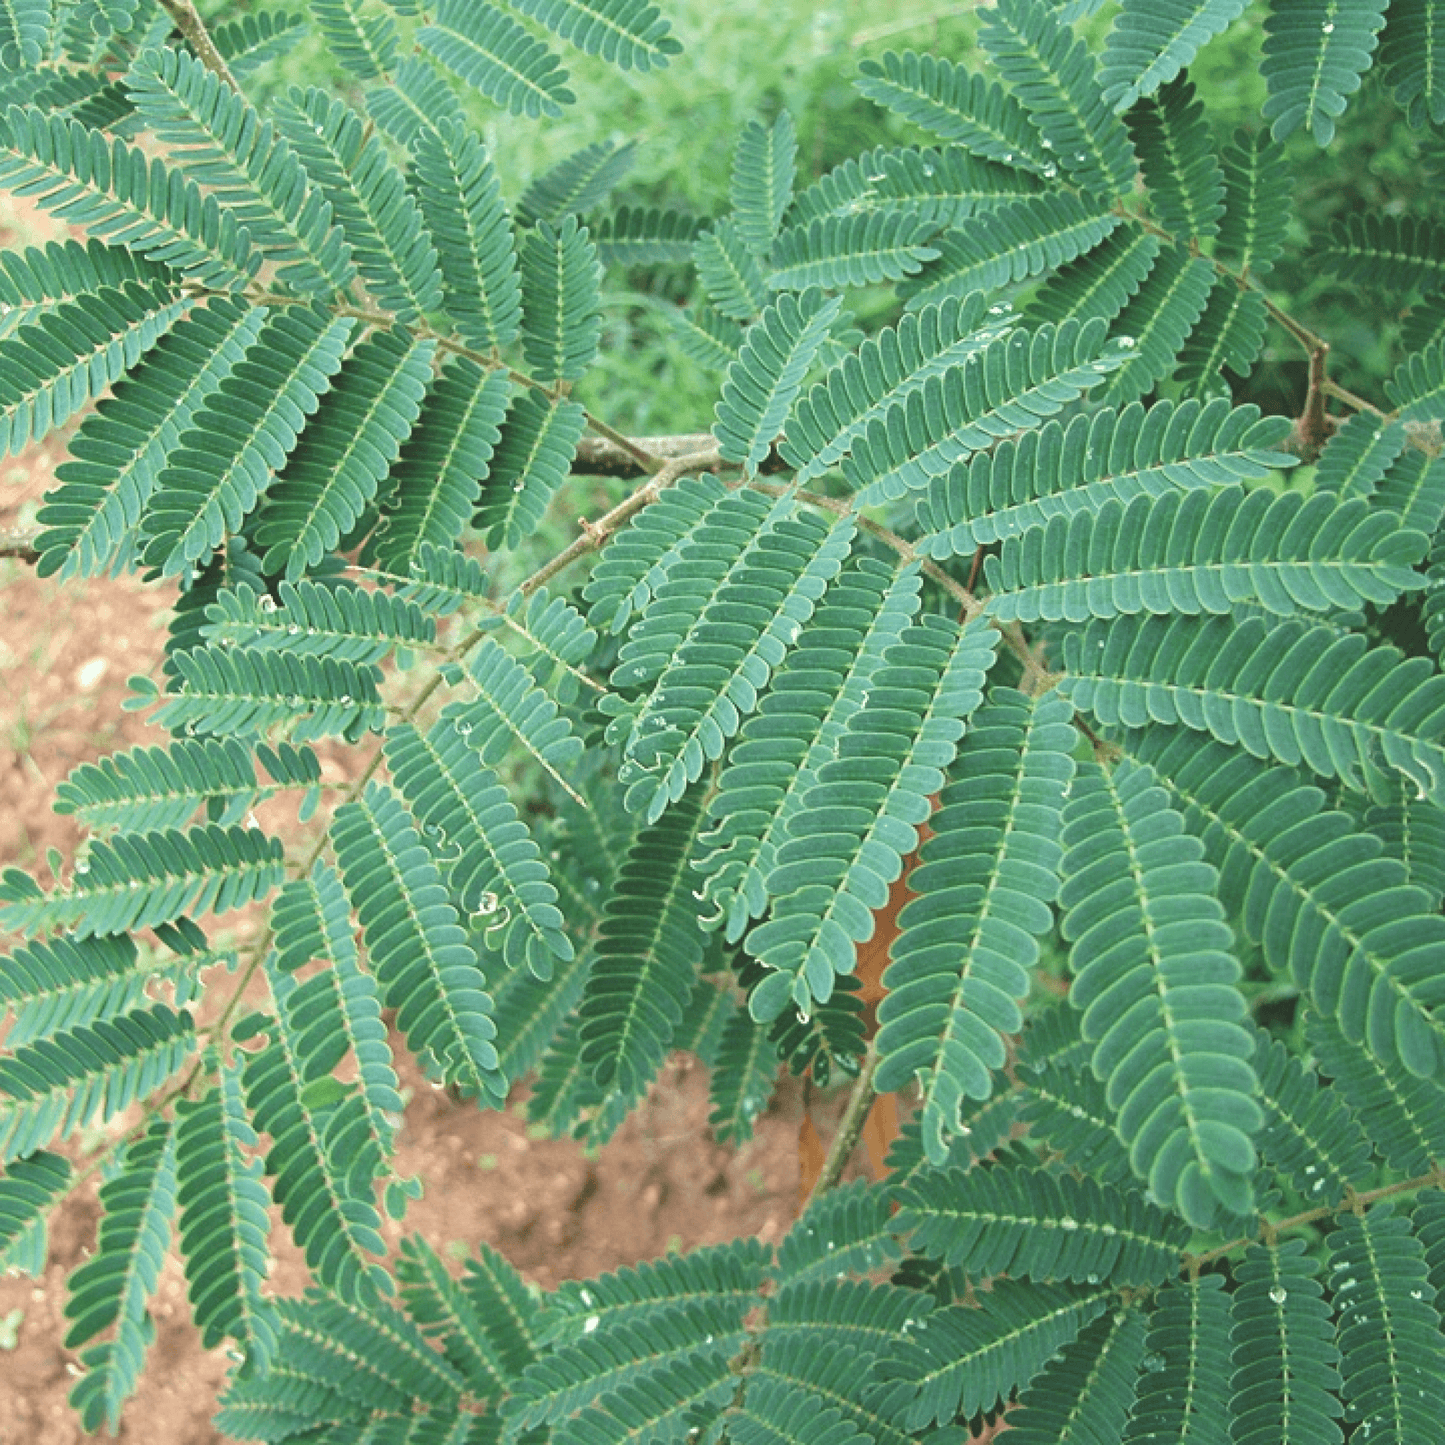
x: 487, y: 903
x: 268, y: 604
x: 1279, y: 1294
x: 293, y: 629
x: 1329, y: 27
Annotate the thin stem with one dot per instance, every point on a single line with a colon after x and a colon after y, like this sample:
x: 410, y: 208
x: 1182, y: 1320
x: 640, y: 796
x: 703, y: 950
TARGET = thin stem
x: 905, y: 549
x: 644, y: 459
x: 1301, y: 333
x: 1037, y: 678
x: 977, y: 566
x: 850, y: 1127
x: 1435, y: 1179
x: 488, y: 361
x: 1358, y: 403
x: 871, y: 33
x: 594, y: 534
x: 189, y: 23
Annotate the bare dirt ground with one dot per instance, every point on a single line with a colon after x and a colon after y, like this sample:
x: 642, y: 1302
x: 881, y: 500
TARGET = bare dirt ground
x: 662, y: 1183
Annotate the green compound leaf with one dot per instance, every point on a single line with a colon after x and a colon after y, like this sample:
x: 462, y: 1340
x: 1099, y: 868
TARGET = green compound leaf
x: 346, y: 453
x: 534, y: 456
x: 1087, y: 1390
x: 88, y: 1075
x: 51, y: 368
x: 1183, y: 1389
x: 1392, y: 1355
x: 1054, y: 76
x: 1269, y: 833
x: 224, y: 1226
x: 419, y: 954
x: 114, y: 1286
x: 1282, y: 689
x: 961, y: 963
x: 859, y: 250
x: 648, y: 948
x: 224, y: 144
x: 136, y: 880
x: 485, y: 47
x: 367, y: 192
x: 1285, y: 1359
x: 145, y: 789
x: 1033, y: 1224
x: 498, y: 872
x: 437, y: 478
x: 959, y: 105
x: 1061, y: 471
x: 113, y: 189
x: 854, y: 826
x: 92, y: 519
x: 763, y: 383
x: 30, y: 1189
x: 1315, y: 52
x: 730, y: 273
x: 728, y: 647
x: 1195, y: 552
x: 461, y: 203
x: 963, y: 1360
x: 1151, y: 42
x: 560, y: 278
x: 1412, y: 58
x: 764, y: 164
x: 1158, y: 992
x: 631, y: 34
x: 218, y: 470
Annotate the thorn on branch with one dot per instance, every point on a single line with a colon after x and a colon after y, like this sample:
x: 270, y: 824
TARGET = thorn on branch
x: 1315, y: 426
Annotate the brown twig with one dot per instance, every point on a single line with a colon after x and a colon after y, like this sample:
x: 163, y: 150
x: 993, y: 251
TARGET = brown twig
x: 20, y: 544
x: 850, y: 1127
x: 594, y: 534
x: 1357, y: 1202
x: 189, y: 23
